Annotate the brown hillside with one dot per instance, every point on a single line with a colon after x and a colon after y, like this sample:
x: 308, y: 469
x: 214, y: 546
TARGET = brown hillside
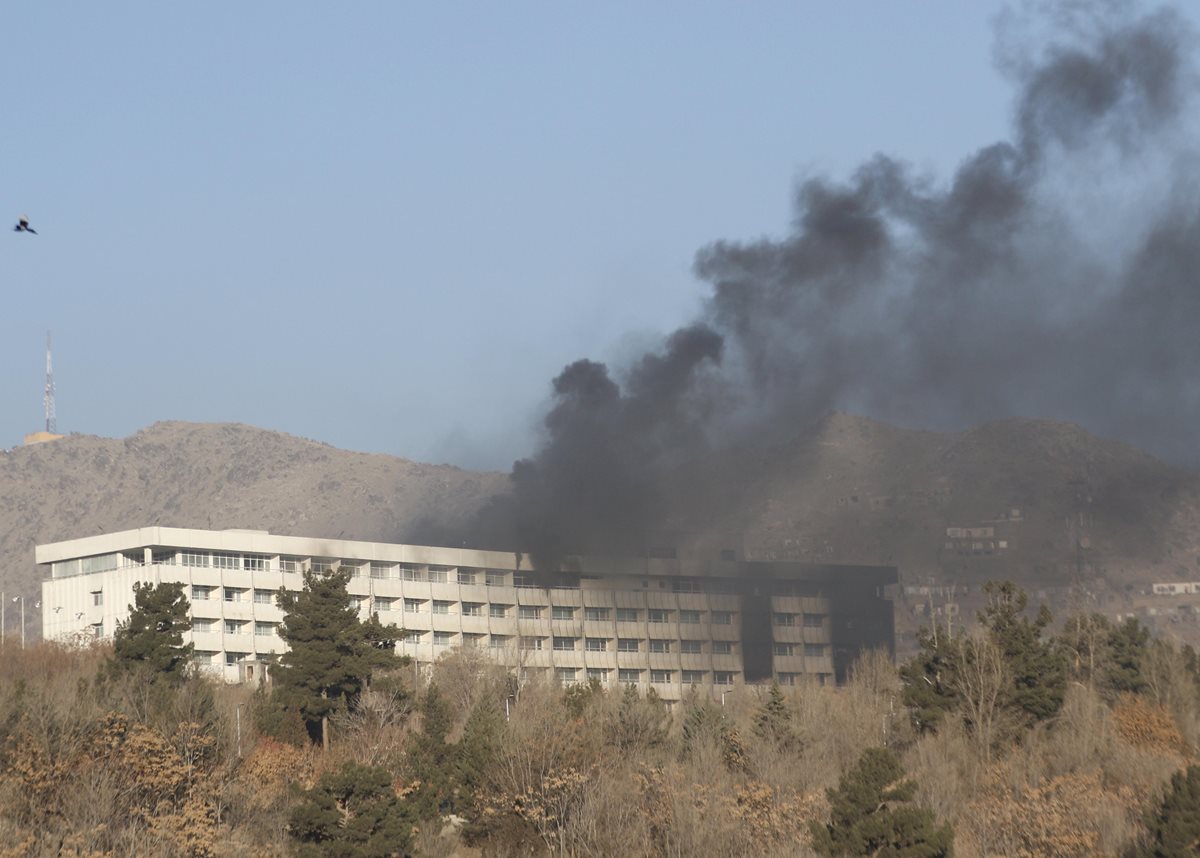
x: 219, y: 476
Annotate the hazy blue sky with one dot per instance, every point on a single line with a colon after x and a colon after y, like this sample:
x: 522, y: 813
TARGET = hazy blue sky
x: 388, y: 226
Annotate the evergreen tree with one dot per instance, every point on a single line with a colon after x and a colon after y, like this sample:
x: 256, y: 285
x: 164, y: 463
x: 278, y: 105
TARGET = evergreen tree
x: 639, y: 722
x: 1123, y: 668
x: 431, y: 760
x: 1038, y: 667
x: 351, y: 813
x: 151, y: 640
x: 870, y: 815
x: 331, y: 653
x: 773, y: 722
x: 929, y: 681
x: 1174, y: 825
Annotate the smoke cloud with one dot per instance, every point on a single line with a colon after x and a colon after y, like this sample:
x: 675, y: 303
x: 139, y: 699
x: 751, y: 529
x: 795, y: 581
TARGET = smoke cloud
x: 1056, y: 274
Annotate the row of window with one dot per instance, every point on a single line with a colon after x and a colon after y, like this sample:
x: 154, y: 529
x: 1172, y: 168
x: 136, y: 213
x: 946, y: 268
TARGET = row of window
x: 634, y: 675
x: 203, y: 593
x: 234, y: 627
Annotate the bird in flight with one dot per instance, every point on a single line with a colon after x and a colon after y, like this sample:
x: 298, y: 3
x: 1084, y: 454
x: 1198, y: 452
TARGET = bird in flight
x: 23, y: 226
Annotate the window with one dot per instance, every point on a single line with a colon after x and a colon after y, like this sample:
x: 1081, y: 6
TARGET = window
x: 560, y: 613
x: 629, y: 674
x: 440, y: 607
x: 355, y: 567
x: 722, y: 618
x: 659, y: 645
x: 814, y: 650
x: 442, y: 638
x: 97, y: 598
x: 254, y: 562
x: 691, y: 647
x: 263, y: 630
x: 689, y: 617
x: 384, y: 603
x: 595, y: 615
x: 233, y: 627
x: 685, y: 585
x: 785, y: 619
x: 203, y: 627
x: 627, y: 615
x: 564, y: 644
x: 381, y: 571
x: 264, y: 597
x: 495, y: 578
x: 472, y: 640
x: 412, y: 606
x: 222, y: 560
x: 528, y: 643
x: 234, y: 594
x: 232, y: 658
x: 628, y: 645
x: 466, y: 576
x: 722, y: 647
x: 165, y: 557
x: 784, y: 649
x: 786, y: 678
x: 201, y: 594
x: 193, y: 558
x: 500, y: 641
x: 529, y: 612
x: 289, y: 564
x: 498, y: 610
x: 723, y: 677
x: 600, y: 674
x: 410, y: 572
x: 693, y: 677
x: 520, y: 580
x: 472, y: 609
x: 203, y: 656
x: 133, y: 558
x: 356, y: 602
x: 565, y: 674
x: 596, y: 645
x: 321, y: 566
x: 412, y: 637
x: 814, y: 621
x: 661, y: 675
x: 657, y: 616
x: 98, y: 629
x: 437, y: 574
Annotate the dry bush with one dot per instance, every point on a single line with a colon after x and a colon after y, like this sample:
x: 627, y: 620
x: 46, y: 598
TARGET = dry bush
x: 1072, y: 816
x: 946, y: 768
x: 1148, y: 726
x: 837, y: 724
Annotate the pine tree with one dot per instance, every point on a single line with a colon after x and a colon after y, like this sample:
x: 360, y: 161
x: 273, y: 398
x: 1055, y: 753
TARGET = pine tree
x: 151, y: 640
x: 929, y: 681
x: 1123, y: 668
x: 431, y: 760
x: 1174, y: 825
x: 1038, y: 667
x: 331, y: 653
x: 870, y: 815
x: 773, y: 722
x: 352, y: 813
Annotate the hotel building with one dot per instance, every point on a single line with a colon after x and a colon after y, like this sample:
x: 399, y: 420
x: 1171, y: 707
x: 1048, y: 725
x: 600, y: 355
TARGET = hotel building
x: 657, y: 623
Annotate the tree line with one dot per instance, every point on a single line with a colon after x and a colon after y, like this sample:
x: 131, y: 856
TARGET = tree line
x: 1008, y: 738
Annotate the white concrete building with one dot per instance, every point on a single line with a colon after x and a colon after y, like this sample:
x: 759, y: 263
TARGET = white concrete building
x: 665, y: 624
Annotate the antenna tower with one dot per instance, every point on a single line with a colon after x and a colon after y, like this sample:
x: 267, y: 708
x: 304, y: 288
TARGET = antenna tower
x: 48, y: 398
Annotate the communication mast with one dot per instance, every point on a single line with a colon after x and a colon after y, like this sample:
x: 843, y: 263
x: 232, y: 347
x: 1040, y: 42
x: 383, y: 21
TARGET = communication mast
x: 48, y: 399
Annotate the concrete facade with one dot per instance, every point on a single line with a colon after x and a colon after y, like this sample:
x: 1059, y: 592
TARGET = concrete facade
x: 663, y: 624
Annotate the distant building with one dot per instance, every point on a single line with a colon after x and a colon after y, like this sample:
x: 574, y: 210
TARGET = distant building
x: 664, y: 624
x: 41, y: 437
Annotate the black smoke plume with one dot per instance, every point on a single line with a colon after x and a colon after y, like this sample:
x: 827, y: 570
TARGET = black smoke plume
x: 1056, y: 274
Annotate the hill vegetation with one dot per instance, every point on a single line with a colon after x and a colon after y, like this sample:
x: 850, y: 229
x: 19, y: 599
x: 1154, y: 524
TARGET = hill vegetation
x: 1041, y: 746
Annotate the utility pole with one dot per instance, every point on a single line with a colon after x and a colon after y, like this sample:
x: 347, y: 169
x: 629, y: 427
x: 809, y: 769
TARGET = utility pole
x: 48, y: 397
